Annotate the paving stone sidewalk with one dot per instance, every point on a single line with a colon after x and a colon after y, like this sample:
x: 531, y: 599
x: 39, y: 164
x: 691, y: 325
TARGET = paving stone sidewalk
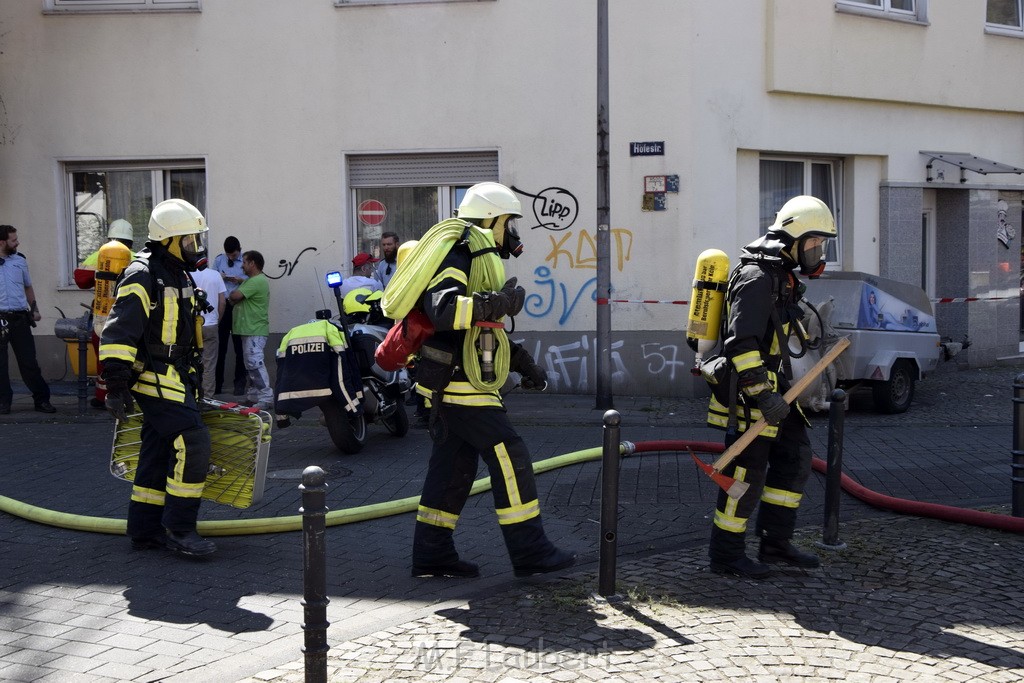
x: 78, y: 606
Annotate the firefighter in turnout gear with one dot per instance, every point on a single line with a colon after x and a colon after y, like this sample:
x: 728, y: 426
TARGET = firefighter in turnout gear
x: 761, y: 314
x: 468, y: 418
x: 150, y: 355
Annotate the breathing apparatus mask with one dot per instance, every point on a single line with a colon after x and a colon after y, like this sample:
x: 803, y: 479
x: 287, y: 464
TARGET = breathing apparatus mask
x: 506, y: 237
x: 191, y: 250
x: 810, y: 255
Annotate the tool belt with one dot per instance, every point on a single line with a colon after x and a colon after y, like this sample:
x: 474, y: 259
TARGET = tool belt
x: 14, y: 316
x: 169, y: 353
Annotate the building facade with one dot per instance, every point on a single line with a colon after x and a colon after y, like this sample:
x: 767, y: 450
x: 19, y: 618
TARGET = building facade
x: 307, y: 128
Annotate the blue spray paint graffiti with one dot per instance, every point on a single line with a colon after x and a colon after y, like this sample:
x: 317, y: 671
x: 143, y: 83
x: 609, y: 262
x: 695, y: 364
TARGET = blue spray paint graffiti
x: 541, y: 305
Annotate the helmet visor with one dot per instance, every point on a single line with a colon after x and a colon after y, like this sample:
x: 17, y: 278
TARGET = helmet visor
x: 194, y: 250
x: 811, y: 254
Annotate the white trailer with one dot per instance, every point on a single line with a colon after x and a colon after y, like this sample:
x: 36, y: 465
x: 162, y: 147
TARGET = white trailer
x: 894, y: 341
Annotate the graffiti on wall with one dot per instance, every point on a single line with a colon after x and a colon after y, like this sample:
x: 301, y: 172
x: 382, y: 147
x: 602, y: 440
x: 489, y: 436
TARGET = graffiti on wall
x: 554, y: 208
x: 570, y: 365
x: 288, y: 267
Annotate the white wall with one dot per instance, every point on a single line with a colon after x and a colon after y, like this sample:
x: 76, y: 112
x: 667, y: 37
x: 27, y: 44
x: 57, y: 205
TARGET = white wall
x: 273, y: 95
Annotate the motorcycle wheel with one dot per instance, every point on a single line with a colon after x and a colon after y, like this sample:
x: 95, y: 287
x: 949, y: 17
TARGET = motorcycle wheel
x: 348, y: 432
x: 398, y: 422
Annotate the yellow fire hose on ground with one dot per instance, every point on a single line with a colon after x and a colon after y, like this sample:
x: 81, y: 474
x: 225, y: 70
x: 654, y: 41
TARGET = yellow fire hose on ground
x: 272, y: 525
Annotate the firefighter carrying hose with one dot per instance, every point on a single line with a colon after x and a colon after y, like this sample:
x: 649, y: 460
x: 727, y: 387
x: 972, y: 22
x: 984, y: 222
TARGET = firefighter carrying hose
x: 463, y: 289
x: 761, y: 313
x: 149, y: 349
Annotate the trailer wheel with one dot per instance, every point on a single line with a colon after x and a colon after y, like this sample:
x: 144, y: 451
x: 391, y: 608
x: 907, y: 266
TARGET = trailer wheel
x: 895, y: 394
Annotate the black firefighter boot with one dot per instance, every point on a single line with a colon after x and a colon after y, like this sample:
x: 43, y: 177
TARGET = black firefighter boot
x: 782, y: 551
x: 434, y: 554
x: 727, y: 551
x: 189, y: 543
x: 531, y: 551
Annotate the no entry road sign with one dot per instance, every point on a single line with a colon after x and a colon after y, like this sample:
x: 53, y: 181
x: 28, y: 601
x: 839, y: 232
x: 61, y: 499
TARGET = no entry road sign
x: 372, y: 212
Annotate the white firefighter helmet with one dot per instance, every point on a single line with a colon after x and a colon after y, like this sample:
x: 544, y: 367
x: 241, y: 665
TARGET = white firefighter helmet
x: 804, y: 216
x: 120, y: 230
x: 488, y: 200
x: 798, y: 221
x: 174, y: 217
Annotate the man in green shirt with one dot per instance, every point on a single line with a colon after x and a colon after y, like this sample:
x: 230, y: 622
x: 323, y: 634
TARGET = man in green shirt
x: 251, y: 322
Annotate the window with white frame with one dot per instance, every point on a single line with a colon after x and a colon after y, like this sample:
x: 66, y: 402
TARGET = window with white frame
x: 902, y: 10
x: 783, y: 178
x: 71, y: 6
x: 99, y: 193
x: 1004, y: 16
x: 408, y: 193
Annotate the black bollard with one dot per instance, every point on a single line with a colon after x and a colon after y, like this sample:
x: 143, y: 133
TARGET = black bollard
x: 314, y: 573
x: 1017, y: 464
x: 834, y: 471
x: 83, y: 370
x: 609, y: 504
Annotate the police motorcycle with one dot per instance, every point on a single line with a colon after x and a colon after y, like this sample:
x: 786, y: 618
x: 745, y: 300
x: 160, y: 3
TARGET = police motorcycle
x: 357, y: 392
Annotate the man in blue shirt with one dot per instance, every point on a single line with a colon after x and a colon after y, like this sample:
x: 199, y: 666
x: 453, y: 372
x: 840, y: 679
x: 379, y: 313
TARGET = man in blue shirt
x: 229, y: 265
x: 19, y: 313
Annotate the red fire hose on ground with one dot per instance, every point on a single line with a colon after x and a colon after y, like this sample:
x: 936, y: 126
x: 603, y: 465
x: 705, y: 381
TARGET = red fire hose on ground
x: 946, y: 513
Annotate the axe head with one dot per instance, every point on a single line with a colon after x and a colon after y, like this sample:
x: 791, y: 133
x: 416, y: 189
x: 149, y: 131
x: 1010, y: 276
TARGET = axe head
x: 732, y: 487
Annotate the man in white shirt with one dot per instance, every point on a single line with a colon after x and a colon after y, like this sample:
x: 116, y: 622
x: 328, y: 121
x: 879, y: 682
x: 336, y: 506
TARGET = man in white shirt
x: 211, y: 282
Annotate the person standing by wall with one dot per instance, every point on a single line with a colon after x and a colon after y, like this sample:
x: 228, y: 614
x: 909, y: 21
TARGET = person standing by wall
x: 19, y: 313
x: 212, y: 285
x: 389, y: 254
x: 251, y: 321
x: 229, y: 265
x: 149, y: 352
x: 760, y: 304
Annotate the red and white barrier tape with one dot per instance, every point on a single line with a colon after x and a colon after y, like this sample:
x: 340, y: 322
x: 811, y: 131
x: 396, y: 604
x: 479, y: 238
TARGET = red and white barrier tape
x: 945, y: 300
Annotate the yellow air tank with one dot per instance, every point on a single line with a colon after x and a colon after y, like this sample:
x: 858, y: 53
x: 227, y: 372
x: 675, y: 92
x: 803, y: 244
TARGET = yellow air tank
x: 707, y: 300
x: 114, y: 257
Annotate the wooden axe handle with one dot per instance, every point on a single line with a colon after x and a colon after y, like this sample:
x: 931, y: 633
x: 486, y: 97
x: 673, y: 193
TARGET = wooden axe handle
x: 794, y: 391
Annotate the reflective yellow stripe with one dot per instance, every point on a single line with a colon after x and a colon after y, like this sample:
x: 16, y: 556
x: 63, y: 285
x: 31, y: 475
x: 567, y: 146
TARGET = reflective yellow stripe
x: 448, y: 273
x: 118, y: 352
x: 718, y: 416
x: 169, y: 329
x: 508, y: 473
x: 465, y: 394
x: 169, y: 388
x: 140, y: 494
x: 463, y: 313
x: 185, y: 490
x: 726, y: 522
x: 730, y: 506
x: 781, y: 497
x: 518, y: 513
x: 136, y: 289
x: 746, y: 361
x: 436, y: 517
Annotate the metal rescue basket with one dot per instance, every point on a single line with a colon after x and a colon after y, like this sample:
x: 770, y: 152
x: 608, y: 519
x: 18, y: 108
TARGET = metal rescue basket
x: 240, y: 448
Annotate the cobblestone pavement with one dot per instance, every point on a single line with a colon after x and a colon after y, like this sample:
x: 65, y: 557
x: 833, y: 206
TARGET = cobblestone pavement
x: 908, y: 598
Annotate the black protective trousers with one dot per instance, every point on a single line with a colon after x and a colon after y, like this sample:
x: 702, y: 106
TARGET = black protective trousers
x: 174, y: 459
x: 19, y: 338
x: 777, y: 471
x: 472, y: 434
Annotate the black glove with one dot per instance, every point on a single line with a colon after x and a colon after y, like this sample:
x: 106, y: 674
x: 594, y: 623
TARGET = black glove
x: 118, y: 378
x: 533, y: 376
x: 756, y: 385
x: 493, y: 306
x: 773, y: 407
